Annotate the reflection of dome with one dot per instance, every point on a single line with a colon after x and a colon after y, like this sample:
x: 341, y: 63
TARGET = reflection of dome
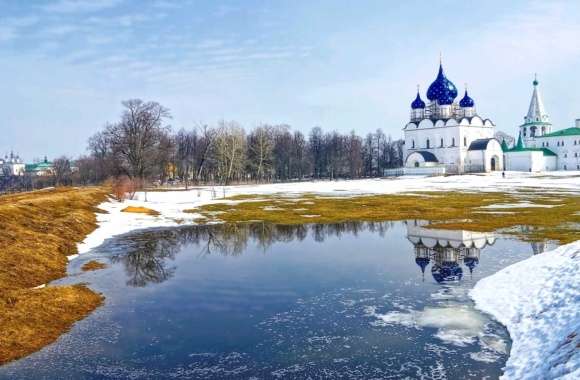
x: 471, y: 263
x: 418, y: 103
x: 447, y: 271
x: 422, y: 262
x: 442, y: 89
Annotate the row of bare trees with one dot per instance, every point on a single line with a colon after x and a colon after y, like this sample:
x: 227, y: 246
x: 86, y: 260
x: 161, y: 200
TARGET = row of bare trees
x: 143, y: 147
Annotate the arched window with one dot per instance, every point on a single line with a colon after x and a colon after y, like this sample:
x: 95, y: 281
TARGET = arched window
x: 525, y: 131
x: 413, y: 144
x: 441, y: 143
x: 428, y: 144
x: 562, y: 143
x: 453, y: 141
x: 465, y: 141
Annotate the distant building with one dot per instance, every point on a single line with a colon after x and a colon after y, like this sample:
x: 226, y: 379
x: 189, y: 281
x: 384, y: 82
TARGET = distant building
x: 41, y: 169
x: 446, y: 136
x: 11, y: 165
x: 540, y: 148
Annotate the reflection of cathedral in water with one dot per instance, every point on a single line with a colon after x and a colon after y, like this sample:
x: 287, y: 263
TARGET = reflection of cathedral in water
x: 447, y: 251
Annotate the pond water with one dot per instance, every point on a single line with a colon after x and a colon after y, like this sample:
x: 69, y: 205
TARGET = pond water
x: 257, y: 301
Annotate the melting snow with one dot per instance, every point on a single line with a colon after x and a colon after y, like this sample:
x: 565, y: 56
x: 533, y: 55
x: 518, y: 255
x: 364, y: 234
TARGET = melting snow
x: 538, y: 300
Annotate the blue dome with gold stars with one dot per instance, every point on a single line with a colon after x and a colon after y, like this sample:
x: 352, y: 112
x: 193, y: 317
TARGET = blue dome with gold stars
x: 466, y: 101
x: 442, y: 89
x: 418, y: 103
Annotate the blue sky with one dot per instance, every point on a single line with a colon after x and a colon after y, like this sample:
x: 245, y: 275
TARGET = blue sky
x: 66, y: 65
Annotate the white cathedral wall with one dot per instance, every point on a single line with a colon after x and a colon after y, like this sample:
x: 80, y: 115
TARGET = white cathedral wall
x: 482, y: 158
x: 493, y: 151
x: 456, y: 139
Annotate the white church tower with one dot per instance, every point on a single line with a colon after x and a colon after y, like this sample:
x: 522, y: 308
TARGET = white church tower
x: 536, y: 122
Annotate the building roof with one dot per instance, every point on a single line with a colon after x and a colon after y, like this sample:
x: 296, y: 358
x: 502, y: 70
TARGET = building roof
x: 442, y: 89
x: 574, y: 131
x: 418, y: 103
x: 536, y: 111
x: 427, y: 156
x: 467, y: 101
x: 520, y: 147
x: 546, y: 151
x: 39, y: 166
x: 479, y: 144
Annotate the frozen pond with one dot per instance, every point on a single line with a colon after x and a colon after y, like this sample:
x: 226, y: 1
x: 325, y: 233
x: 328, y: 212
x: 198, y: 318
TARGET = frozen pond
x: 355, y: 300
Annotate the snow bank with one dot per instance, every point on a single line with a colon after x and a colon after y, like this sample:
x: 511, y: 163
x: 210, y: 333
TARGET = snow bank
x: 538, y: 300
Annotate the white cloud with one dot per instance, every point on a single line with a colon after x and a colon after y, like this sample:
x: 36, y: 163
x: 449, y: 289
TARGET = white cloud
x: 167, y: 4
x: 7, y: 33
x: 80, y: 6
x: 10, y: 27
x: 60, y: 30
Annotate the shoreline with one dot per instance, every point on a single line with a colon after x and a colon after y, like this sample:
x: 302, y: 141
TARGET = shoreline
x: 106, y: 219
x: 39, y: 229
x: 538, y: 301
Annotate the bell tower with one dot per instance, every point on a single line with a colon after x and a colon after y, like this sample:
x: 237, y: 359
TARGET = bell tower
x: 536, y: 122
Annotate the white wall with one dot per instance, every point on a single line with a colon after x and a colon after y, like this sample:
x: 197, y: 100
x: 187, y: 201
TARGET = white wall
x: 524, y: 161
x: 566, y: 147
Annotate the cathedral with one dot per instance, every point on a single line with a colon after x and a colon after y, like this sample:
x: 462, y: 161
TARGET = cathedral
x: 446, y: 136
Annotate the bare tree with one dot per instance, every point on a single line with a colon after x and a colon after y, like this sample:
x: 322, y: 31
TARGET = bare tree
x: 135, y: 139
x: 204, y: 147
x: 62, y: 171
x: 260, y: 149
x: 230, y: 150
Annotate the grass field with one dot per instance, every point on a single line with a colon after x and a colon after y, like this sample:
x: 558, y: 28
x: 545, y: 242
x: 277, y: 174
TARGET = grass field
x: 38, y: 230
x: 553, y: 217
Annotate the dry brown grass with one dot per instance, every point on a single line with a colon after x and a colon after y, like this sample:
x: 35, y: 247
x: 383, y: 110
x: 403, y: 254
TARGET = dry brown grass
x: 449, y: 210
x: 140, y: 210
x: 34, y: 318
x: 37, y: 231
x: 93, y: 265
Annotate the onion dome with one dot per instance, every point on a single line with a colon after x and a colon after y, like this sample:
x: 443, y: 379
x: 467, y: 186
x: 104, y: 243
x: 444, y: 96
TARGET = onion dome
x: 466, y: 101
x: 418, y: 103
x: 442, y: 89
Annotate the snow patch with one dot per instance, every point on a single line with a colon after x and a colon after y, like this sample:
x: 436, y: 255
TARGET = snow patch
x: 171, y: 204
x: 517, y: 205
x: 538, y: 300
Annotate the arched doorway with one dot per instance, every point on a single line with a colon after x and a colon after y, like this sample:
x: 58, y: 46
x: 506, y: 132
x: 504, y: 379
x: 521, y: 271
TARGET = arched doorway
x: 493, y: 164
